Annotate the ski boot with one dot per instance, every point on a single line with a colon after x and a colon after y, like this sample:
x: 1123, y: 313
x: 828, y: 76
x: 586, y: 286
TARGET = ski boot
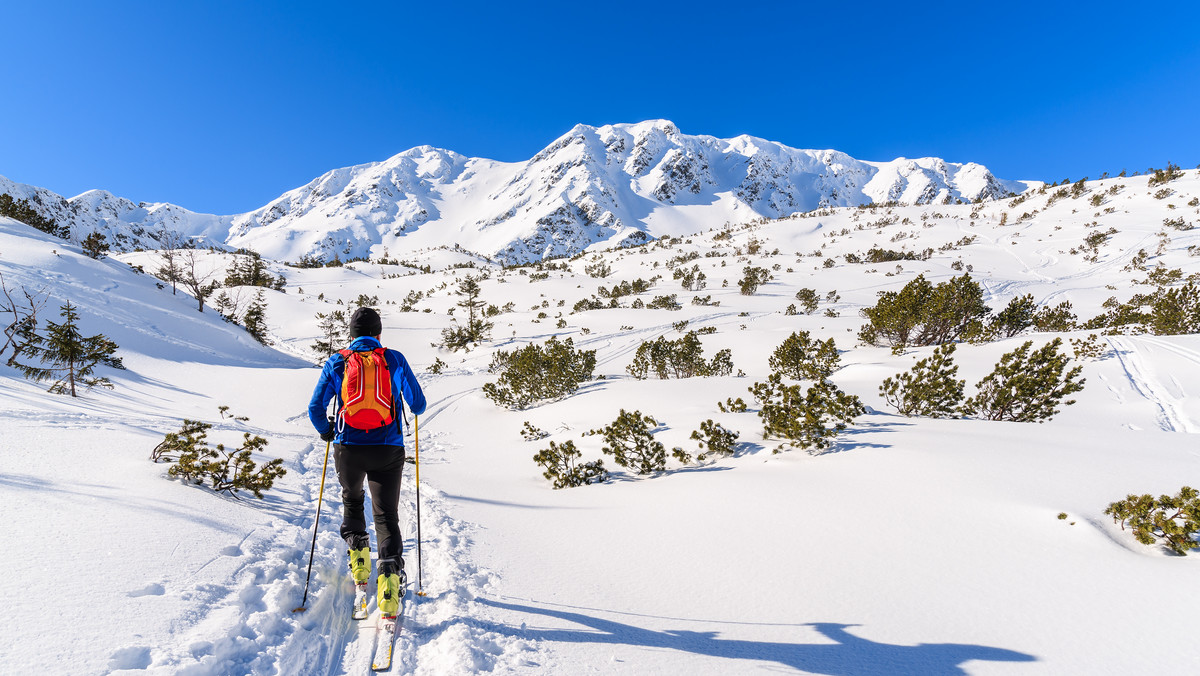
x: 360, y: 571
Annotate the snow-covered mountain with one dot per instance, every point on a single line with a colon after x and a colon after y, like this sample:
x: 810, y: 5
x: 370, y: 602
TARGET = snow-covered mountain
x: 609, y: 186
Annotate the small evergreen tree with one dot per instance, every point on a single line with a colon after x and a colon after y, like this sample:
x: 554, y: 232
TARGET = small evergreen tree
x: 924, y: 314
x: 538, y: 372
x: 476, y: 330
x: 811, y: 420
x: 1026, y: 387
x: 1175, y: 312
x: 630, y: 440
x: 714, y: 439
x: 1017, y: 316
x: 225, y: 470
x: 803, y: 358
x: 70, y: 358
x: 752, y: 278
x: 95, y: 245
x: 1173, y: 519
x: 808, y: 300
x: 334, y: 334
x: 929, y: 389
x: 682, y: 358
x: 563, y: 468
x: 255, y: 319
x: 1057, y: 319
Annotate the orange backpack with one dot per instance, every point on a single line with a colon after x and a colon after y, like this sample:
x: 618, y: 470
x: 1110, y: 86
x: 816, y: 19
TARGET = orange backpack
x: 366, y: 390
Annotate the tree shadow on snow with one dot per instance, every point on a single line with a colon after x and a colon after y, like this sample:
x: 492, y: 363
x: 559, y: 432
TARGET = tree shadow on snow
x: 845, y: 655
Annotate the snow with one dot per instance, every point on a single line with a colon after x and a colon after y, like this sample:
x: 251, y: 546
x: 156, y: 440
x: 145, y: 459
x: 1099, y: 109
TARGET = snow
x: 916, y: 546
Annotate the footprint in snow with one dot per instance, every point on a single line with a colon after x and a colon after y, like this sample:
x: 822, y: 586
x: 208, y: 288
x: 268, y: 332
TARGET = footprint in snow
x: 232, y: 550
x: 152, y: 589
x: 132, y: 657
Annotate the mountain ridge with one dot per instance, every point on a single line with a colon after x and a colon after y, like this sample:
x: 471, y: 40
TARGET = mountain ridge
x: 613, y: 185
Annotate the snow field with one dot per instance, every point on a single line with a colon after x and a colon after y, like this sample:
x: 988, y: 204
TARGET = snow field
x: 917, y: 546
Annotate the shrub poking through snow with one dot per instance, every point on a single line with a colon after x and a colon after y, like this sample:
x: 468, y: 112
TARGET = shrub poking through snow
x: 334, y: 334
x: 925, y: 314
x: 1054, y: 319
x: 752, y: 278
x: 532, y: 433
x: 563, y: 468
x: 225, y: 470
x: 714, y: 439
x: 808, y: 300
x: 928, y: 389
x: 630, y: 441
x: 682, y: 358
x: 1014, y: 318
x: 811, y: 420
x: 1176, y: 311
x: 1025, y: 386
x: 475, y: 330
x: 803, y: 358
x: 538, y: 372
x: 1175, y: 520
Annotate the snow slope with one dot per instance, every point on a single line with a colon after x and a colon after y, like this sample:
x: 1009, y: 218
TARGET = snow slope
x: 918, y: 546
x: 594, y: 186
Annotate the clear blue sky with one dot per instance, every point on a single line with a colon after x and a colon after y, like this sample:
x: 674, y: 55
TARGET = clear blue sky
x: 222, y: 106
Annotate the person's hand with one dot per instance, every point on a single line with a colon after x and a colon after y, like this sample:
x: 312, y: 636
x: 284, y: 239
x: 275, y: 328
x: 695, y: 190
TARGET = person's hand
x: 328, y: 436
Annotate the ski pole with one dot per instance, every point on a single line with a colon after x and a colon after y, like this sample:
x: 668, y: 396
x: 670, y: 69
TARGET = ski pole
x: 316, y: 523
x: 417, y: 459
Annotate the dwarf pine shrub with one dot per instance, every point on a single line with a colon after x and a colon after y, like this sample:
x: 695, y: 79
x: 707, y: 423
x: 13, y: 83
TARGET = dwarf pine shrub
x: 752, y: 278
x: 681, y: 358
x: 1025, y: 386
x: 538, y: 372
x: 1175, y: 311
x: 533, y: 433
x: 1014, y: 318
x: 925, y: 314
x: 630, y: 440
x: 811, y: 420
x: 563, y: 468
x: 802, y: 358
x: 1059, y: 318
x: 229, y: 471
x: 928, y: 389
x: 1175, y: 520
x: 714, y: 439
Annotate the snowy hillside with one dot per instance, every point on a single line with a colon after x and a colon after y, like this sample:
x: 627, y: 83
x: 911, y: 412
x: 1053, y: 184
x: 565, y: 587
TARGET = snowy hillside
x: 915, y: 546
x: 609, y: 186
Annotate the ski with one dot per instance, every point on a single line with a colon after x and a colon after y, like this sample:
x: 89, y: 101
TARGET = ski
x: 385, y: 638
x: 360, y: 602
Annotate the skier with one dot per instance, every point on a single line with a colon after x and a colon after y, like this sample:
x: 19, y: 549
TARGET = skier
x: 368, y: 445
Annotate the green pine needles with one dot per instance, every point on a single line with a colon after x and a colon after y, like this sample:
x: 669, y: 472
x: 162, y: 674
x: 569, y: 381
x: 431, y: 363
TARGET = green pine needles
x: 810, y: 420
x: 714, y: 439
x: 925, y: 314
x: 68, y: 357
x: 537, y: 373
x: 224, y: 470
x: 630, y: 441
x: 1026, y: 386
x: 682, y: 358
x: 1174, y: 520
x: 929, y: 389
x: 563, y: 468
x: 803, y: 358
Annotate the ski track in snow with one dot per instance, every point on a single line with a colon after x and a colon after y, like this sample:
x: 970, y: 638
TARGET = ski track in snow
x: 1146, y: 382
x: 248, y: 626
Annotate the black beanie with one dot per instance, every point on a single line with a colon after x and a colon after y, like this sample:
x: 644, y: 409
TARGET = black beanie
x: 365, y: 322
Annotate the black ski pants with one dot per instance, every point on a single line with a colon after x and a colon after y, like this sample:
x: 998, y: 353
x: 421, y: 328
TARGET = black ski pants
x: 381, y: 467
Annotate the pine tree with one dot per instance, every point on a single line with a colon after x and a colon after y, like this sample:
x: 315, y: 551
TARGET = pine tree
x: 803, y: 358
x: 476, y: 329
x: 334, y: 334
x: 95, y: 245
x: 1173, y: 519
x: 69, y: 357
x: 563, y: 468
x: 538, y: 372
x: 1017, y: 316
x: 752, y: 278
x: 714, y: 439
x: 810, y: 421
x: 255, y: 319
x: 1026, y: 387
x: 929, y: 389
x: 630, y: 440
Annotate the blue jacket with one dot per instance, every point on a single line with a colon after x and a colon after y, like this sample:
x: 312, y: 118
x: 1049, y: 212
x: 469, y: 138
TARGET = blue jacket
x: 329, y: 386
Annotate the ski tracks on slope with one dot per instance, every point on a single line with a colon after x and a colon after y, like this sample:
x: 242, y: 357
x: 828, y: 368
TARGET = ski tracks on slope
x: 1168, y: 395
x: 241, y: 622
